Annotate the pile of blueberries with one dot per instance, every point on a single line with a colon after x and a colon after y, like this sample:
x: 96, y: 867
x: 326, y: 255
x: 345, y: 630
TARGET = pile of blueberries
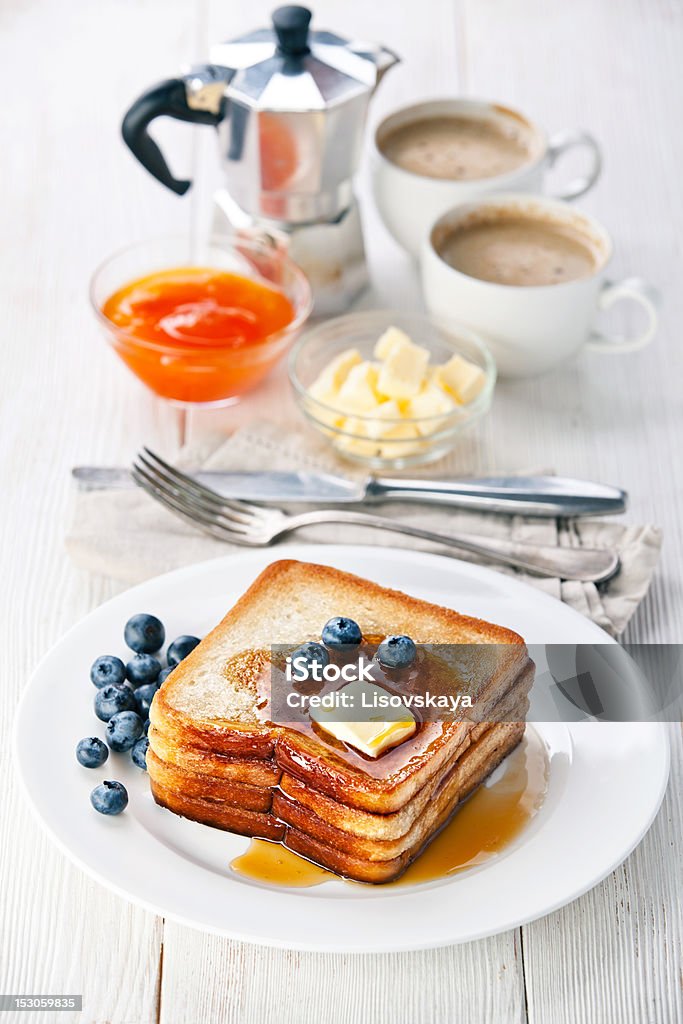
x: 123, y: 698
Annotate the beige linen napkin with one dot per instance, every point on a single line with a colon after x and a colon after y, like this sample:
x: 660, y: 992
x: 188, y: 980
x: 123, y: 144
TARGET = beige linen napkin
x: 128, y: 536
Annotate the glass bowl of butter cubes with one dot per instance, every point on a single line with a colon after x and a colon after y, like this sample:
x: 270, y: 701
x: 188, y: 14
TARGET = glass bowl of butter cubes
x: 389, y: 389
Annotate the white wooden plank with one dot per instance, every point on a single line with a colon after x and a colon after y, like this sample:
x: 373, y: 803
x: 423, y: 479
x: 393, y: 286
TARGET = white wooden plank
x: 614, y: 69
x: 615, y: 954
x: 71, y: 194
x: 214, y: 979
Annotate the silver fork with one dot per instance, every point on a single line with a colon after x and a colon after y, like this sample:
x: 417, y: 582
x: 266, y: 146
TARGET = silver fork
x: 240, y: 522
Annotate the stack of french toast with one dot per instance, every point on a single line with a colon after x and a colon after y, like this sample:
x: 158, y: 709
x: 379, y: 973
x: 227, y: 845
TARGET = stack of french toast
x: 217, y: 757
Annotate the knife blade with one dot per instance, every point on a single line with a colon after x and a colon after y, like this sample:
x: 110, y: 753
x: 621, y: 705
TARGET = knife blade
x: 548, y: 496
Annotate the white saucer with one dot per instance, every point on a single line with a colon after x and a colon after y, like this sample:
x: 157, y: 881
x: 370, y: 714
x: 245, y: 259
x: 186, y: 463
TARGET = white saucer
x: 606, y: 780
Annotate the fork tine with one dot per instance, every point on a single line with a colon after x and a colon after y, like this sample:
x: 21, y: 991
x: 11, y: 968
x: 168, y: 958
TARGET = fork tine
x: 236, y: 503
x: 215, y: 530
x: 172, y: 485
x: 217, y: 517
x: 186, y: 485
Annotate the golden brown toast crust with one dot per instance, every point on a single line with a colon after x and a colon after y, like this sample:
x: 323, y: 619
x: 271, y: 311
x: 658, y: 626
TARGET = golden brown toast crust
x: 207, y: 787
x: 219, y: 815
x: 255, y: 771
x: 282, y: 576
x: 234, y: 739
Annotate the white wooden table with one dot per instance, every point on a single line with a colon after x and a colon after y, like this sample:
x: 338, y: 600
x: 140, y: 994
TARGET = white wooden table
x: 70, y: 195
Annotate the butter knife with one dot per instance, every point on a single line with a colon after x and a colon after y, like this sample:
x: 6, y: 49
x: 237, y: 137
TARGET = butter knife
x: 548, y: 496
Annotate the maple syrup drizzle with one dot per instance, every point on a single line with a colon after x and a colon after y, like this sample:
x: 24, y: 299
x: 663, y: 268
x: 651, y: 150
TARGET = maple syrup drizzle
x: 490, y: 819
x: 275, y: 864
x: 485, y: 824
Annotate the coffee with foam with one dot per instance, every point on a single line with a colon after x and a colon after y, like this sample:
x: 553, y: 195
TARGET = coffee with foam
x: 518, y: 248
x: 460, y: 148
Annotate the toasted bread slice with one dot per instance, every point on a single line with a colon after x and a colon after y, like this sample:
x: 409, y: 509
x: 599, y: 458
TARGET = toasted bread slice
x: 211, y: 702
x: 208, y: 787
x: 219, y: 815
x: 254, y: 771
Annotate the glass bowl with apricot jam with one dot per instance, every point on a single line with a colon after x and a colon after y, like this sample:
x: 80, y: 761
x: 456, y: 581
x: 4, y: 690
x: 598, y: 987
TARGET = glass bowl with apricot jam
x: 201, y: 324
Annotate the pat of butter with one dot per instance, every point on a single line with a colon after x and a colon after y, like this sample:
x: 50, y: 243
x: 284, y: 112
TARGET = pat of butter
x: 399, y: 441
x: 358, y: 393
x: 393, y: 336
x: 388, y: 424
x: 353, y: 440
x: 381, y: 727
x: 320, y: 392
x: 430, y: 402
x: 462, y: 378
x: 382, y: 418
x: 403, y: 370
x: 336, y: 372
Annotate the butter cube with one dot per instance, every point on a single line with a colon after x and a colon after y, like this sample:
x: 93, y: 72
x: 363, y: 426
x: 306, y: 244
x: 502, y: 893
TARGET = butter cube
x: 320, y: 393
x: 336, y: 372
x: 382, y: 417
x: 382, y: 726
x: 399, y: 441
x: 360, y: 444
x: 430, y: 402
x: 358, y: 393
x: 393, y: 336
x: 388, y: 425
x: 403, y: 370
x: 461, y: 378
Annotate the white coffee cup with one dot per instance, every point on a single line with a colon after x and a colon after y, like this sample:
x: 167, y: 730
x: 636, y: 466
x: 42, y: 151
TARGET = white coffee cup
x: 410, y: 203
x: 531, y: 329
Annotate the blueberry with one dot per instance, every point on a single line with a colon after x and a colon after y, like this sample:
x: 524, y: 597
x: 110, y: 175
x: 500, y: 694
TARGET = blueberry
x: 91, y: 752
x: 107, y: 669
x: 143, y: 668
x: 145, y: 727
x: 123, y: 730
x: 339, y: 633
x: 144, y: 634
x: 138, y: 752
x: 109, y: 798
x: 180, y: 648
x: 310, y: 652
x: 396, y: 652
x: 164, y: 674
x: 112, y: 699
x: 144, y: 696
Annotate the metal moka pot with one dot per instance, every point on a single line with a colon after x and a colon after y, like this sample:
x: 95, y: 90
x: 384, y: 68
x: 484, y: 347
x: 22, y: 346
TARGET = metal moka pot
x: 289, y: 105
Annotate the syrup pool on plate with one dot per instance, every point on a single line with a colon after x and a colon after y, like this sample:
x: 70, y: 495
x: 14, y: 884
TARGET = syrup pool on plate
x: 485, y: 824
x: 274, y: 864
x: 490, y: 819
x: 198, y: 334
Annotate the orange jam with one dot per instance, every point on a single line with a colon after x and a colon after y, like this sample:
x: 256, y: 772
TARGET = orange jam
x: 197, y: 334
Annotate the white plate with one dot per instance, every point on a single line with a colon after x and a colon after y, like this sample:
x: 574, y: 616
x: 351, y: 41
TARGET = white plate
x: 606, y: 780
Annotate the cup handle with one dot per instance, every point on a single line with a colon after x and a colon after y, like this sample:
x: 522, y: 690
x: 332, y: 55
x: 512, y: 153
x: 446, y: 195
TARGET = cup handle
x: 636, y: 290
x: 564, y: 141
